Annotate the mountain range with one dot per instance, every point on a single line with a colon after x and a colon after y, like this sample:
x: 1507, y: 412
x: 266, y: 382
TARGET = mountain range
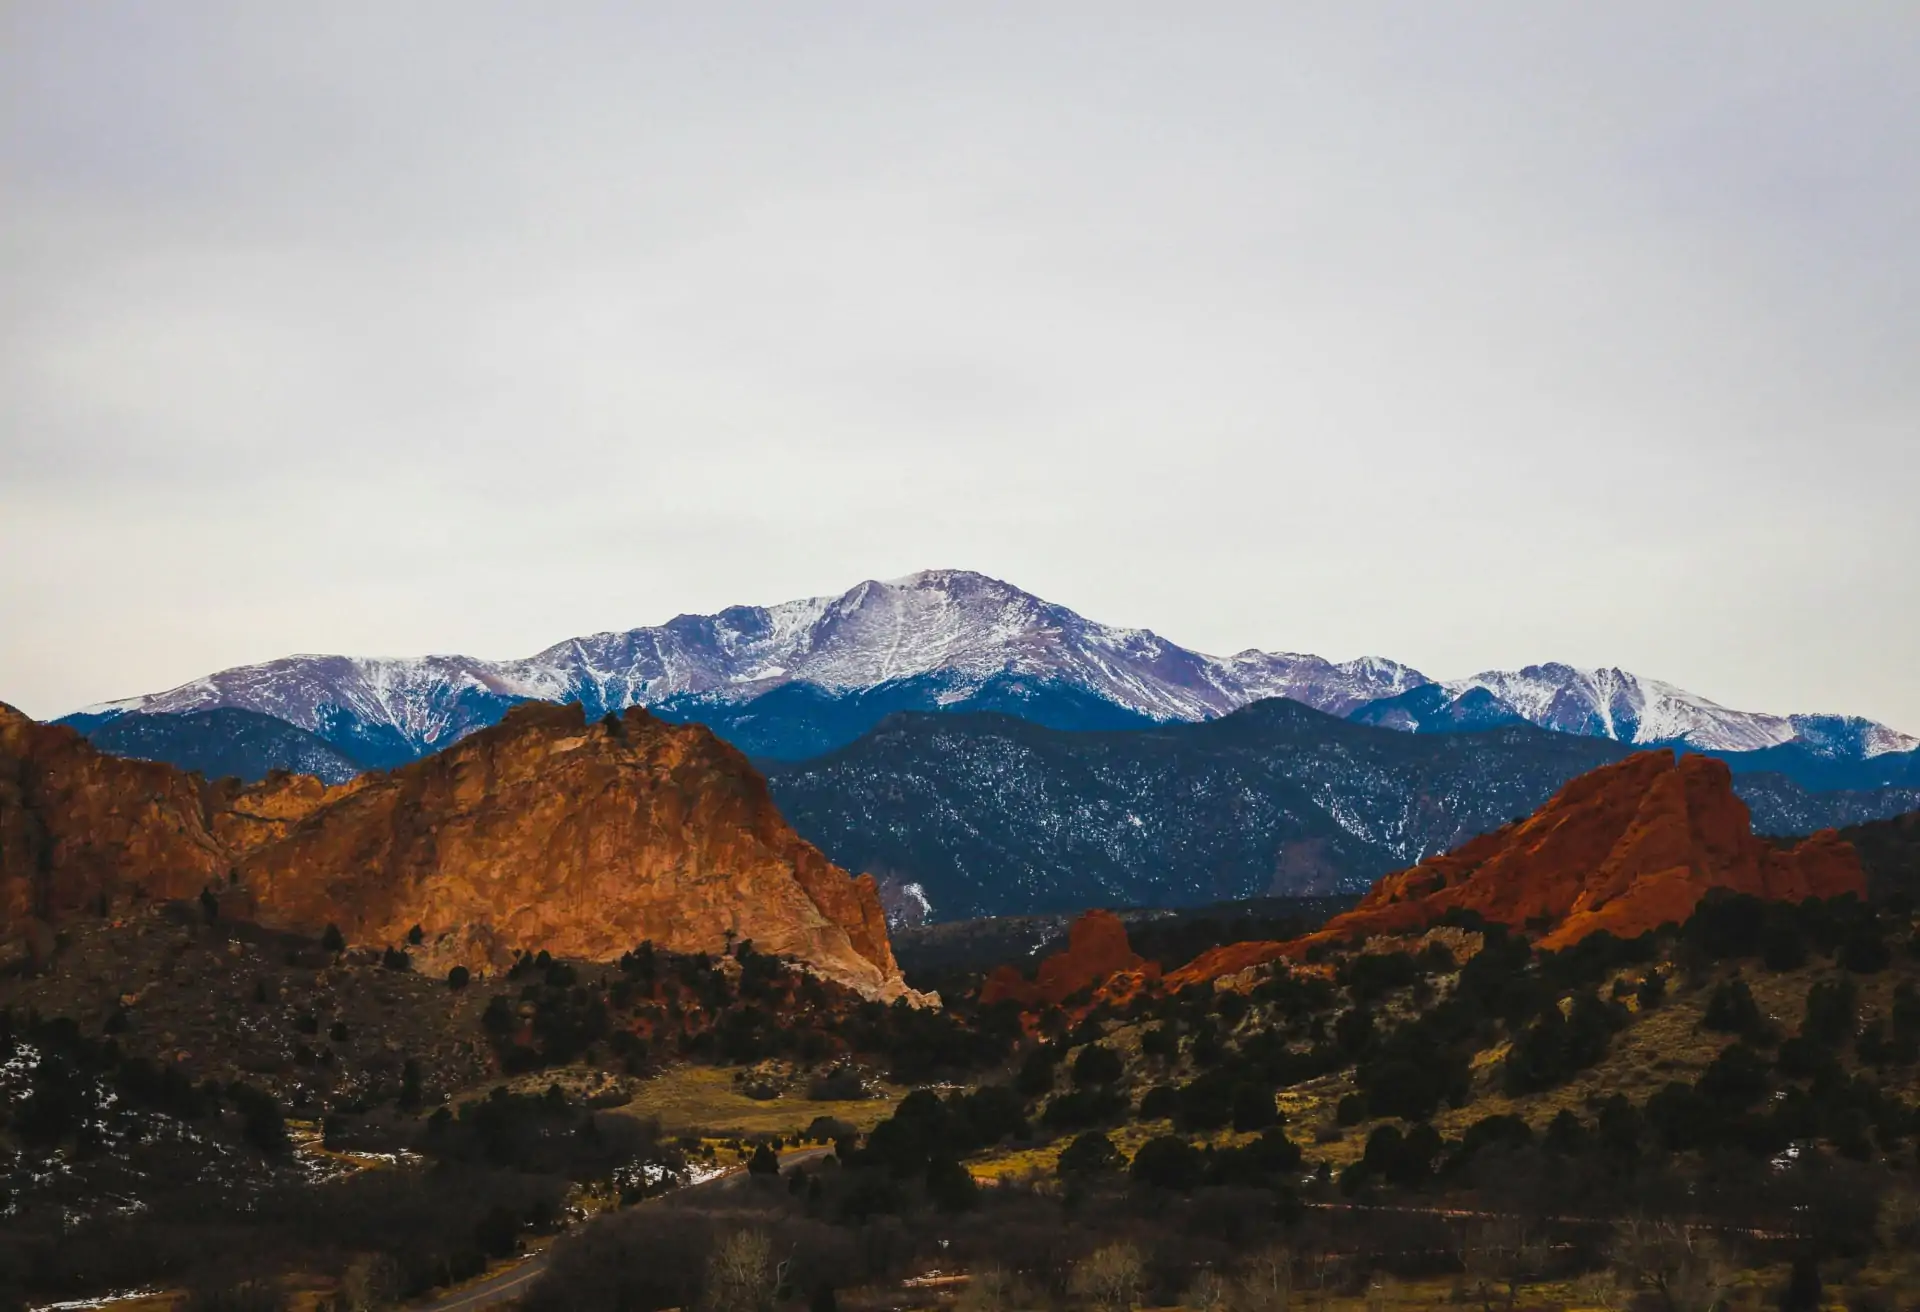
x: 800, y: 678
x: 984, y: 815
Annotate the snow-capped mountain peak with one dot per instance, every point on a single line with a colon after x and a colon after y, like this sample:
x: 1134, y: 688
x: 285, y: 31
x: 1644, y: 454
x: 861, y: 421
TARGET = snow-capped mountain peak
x: 1613, y: 703
x: 963, y: 630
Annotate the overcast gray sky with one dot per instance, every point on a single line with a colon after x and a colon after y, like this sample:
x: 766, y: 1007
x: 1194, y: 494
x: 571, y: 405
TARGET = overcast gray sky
x: 1471, y: 335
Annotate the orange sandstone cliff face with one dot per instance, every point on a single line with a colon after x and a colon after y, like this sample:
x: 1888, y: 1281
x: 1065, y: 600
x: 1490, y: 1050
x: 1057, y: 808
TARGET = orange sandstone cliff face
x: 77, y: 826
x: 542, y: 832
x: 1625, y: 848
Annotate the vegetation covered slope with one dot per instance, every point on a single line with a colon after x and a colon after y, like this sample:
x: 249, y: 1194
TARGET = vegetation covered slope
x: 992, y: 815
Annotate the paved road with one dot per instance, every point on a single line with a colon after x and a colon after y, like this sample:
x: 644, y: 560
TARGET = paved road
x: 510, y: 1283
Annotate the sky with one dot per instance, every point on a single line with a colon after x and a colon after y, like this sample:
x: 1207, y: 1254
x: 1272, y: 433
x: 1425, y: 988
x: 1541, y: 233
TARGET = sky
x: 1472, y: 336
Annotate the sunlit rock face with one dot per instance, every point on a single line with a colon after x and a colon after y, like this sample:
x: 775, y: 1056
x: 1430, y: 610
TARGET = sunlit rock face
x: 1624, y: 848
x: 1096, y: 951
x: 546, y: 831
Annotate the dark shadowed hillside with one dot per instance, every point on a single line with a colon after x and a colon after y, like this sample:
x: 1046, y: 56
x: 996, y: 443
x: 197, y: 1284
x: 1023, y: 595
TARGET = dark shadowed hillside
x: 224, y: 741
x: 799, y: 720
x: 993, y: 816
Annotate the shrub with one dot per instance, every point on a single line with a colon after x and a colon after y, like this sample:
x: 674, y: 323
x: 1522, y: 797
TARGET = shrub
x: 1736, y: 1080
x: 842, y: 1084
x: 1206, y: 1102
x: 1159, y: 1103
x: 1036, y: 1072
x: 1168, y: 1162
x: 1083, y: 1107
x: 458, y: 978
x: 1556, y: 1047
x: 1090, y: 1154
x: 498, y: 1018
x: 1832, y: 1009
x: 1267, y: 1162
x: 1353, y: 1031
x: 1731, y: 1009
x: 1782, y: 946
x: 1253, y: 1108
x: 1399, y: 1159
x: 1864, y: 951
x: 950, y: 1185
x: 1652, y: 991
x: 1096, y: 1067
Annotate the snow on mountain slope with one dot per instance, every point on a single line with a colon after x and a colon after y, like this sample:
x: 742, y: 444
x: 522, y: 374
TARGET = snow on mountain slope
x: 1611, y: 703
x: 966, y: 628
x: 1849, y: 737
x: 1322, y: 684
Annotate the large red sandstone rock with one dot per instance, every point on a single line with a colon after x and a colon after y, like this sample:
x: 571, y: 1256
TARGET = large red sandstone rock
x: 542, y: 832
x: 77, y: 825
x: 1096, y: 948
x: 1626, y: 848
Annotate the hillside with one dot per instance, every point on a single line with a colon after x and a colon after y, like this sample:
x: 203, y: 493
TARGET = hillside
x: 224, y: 741
x: 1624, y: 849
x: 992, y: 816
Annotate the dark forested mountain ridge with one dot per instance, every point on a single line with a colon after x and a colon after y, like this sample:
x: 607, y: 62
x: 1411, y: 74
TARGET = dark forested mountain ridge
x: 224, y: 741
x: 795, y: 721
x: 991, y: 815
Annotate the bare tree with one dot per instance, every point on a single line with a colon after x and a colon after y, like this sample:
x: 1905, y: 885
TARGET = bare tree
x: 1500, y: 1257
x: 371, y: 1281
x: 740, y: 1275
x: 1207, y: 1293
x: 992, y: 1289
x: 1323, y: 1269
x: 1108, y: 1277
x: 1684, y: 1268
x: 1266, y: 1280
x: 1599, y: 1289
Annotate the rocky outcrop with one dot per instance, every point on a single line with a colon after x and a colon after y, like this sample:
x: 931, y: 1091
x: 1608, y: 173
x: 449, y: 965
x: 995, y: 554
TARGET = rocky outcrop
x: 544, y: 832
x: 1097, y: 949
x: 1624, y: 848
x: 79, y: 827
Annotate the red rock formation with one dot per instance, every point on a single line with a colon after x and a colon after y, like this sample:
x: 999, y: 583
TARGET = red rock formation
x: 77, y: 825
x: 1096, y: 948
x: 542, y: 832
x: 1625, y: 848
